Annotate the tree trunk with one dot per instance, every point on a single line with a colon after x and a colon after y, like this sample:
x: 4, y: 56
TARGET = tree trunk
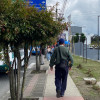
x: 15, y: 77
x: 6, y: 57
x: 10, y: 74
x: 25, y: 67
x: 18, y: 73
x: 37, y: 61
x: 13, y: 84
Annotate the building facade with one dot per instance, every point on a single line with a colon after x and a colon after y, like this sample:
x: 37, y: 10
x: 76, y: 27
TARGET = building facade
x: 76, y: 29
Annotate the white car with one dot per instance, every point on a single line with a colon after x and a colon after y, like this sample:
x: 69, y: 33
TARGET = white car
x: 4, y: 67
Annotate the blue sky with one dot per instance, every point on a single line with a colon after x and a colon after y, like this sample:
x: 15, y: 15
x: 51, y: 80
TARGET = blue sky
x: 83, y: 13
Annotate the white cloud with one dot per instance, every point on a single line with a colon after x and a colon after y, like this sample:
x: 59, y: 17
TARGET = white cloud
x: 83, y: 13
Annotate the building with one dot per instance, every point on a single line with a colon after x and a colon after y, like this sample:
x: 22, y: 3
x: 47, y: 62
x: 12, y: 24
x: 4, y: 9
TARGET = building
x: 76, y: 29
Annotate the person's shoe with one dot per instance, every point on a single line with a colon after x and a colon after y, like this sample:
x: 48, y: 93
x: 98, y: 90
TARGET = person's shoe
x: 42, y: 64
x: 58, y: 94
x: 61, y: 95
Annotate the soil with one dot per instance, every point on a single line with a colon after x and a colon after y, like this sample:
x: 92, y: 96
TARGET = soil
x: 87, y: 91
x: 30, y: 98
x: 38, y: 72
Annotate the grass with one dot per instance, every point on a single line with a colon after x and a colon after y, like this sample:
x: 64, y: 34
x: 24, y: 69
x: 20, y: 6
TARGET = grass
x: 38, y: 72
x: 80, y: 70
x: 90, y: 69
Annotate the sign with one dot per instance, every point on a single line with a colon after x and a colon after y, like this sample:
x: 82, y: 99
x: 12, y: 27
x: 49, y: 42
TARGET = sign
x: 40, y: 4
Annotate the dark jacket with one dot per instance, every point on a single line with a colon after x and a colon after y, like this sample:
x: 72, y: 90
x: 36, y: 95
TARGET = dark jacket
x: 65, y: 55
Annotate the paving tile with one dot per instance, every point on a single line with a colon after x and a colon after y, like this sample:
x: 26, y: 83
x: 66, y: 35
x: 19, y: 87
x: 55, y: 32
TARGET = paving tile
x: 63, y: 98
x: 30, y: 86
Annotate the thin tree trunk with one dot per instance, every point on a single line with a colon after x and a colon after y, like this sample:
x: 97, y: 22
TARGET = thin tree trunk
x: 15, y: 76
x: 25, y: 67
x: 13, y: 84
x: 18, y: 74
x: 7, y: 61
x: 37, y: 61
x: 23, y: 82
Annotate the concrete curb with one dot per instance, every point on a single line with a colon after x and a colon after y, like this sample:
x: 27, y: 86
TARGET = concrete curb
x: 45, y: 83
x: 7, y: 94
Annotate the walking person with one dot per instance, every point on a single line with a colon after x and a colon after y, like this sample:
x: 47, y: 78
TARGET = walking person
x: 63, y: 62
x: 48, y: 53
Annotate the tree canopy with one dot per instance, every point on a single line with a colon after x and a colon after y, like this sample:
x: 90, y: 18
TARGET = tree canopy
x: 19, y: 23
x: 76, y: 38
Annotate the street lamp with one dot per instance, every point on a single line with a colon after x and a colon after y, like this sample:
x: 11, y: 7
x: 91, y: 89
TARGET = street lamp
x: 98, y: 37
x: 86, y: 49
x: 80, y: 43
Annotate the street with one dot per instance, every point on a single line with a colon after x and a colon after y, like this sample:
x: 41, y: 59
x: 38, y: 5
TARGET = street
x: 4, y: 84
x: 4, y: 80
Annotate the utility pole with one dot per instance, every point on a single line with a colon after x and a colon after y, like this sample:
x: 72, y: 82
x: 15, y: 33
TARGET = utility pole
x: 98, y: 37
x: 56, y: 11
x: 69, y: 32
x: 86, y: 49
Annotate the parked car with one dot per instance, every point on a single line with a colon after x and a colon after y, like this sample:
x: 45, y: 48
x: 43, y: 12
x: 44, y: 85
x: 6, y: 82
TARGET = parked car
x: 4, y: 67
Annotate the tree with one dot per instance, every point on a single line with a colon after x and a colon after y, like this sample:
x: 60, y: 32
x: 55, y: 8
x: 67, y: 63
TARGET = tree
x: 82, y: 37
x: 75, y: 38
x: 21, y: 25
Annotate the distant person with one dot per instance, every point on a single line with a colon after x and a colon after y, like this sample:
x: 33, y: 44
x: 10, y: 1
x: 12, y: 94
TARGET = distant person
x: 52, y: 50
x: 48, y: 53
x: 63, y: 60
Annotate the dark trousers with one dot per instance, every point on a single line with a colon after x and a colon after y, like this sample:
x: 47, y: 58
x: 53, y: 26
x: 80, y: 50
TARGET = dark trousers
x: 61, y: 79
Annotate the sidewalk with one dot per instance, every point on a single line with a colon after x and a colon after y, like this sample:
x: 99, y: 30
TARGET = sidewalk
x: 71, y: 93
x: 42, y: 86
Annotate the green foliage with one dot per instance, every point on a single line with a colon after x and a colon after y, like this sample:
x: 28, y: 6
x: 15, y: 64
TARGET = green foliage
x: 82, y: 37
x: 94, y: 40
x: 20, y: 23
x: 76, y: 38
x: 4, y: 6
x: 91, y: 67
